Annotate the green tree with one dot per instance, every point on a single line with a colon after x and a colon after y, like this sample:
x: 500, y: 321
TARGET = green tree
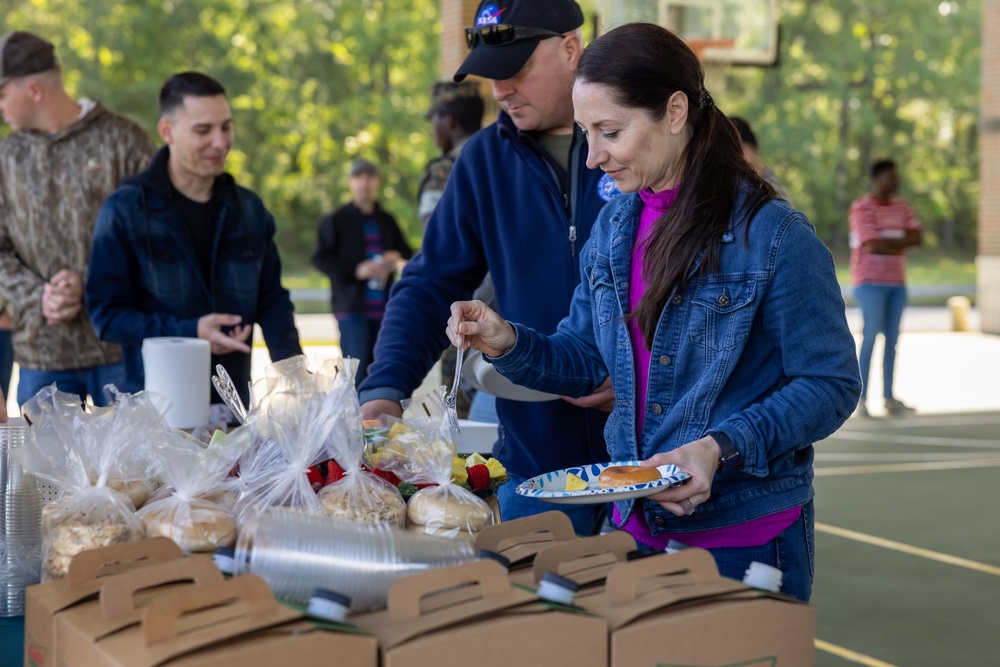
x: 313, y: 84
x: 860, y: 80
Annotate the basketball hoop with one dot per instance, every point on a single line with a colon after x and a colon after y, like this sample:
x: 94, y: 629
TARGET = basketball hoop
x: 711, y: 50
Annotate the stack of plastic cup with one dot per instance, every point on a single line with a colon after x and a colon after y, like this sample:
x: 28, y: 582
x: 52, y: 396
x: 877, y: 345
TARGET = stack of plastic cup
x: 764, y: 577
x: 20, y: 525
x: 296, y: 553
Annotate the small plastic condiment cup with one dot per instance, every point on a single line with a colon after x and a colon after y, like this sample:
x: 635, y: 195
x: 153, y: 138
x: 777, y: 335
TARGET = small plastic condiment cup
x: 764, y: 577
x: 225, y: 559
x: 329, y: 605
x: 557, y: 589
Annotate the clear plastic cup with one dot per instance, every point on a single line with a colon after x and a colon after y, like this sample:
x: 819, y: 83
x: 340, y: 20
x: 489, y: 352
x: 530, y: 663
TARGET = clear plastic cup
x: 20, y: 525
x: 295, y: 553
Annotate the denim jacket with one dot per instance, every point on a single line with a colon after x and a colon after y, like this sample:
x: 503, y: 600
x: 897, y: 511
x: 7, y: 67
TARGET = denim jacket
x: 145, y: 279
x: 758, y: 351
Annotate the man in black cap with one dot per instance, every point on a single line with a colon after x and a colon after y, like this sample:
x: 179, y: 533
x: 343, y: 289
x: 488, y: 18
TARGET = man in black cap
x: 64, y: 158
x: 360, y: 247
x: 519, y: 204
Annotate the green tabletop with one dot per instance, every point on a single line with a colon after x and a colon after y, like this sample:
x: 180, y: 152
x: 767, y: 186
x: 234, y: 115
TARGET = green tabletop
x: 11, y: 641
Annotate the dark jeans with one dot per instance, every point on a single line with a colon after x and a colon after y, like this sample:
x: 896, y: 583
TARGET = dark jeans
x: 357, y: 340
x: 882, y: 310
x: 80, y: 381
x: 6, y: 360
x: 793, y: 552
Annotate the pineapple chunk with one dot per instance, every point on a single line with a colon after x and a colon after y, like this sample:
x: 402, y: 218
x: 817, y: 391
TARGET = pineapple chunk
x: 574, y: 483
x: 398, y: 429
x: 475, y: 459
x: 496, y: 468
x: 459, y: 475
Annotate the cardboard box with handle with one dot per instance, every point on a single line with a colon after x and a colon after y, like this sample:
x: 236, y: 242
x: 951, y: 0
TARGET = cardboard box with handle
x: 471, y: 613
x: 675, y: 609
x: 87, y: 573
x: 120, y: 604
x: 232, y: 623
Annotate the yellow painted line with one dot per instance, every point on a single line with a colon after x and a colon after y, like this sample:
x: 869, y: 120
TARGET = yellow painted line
x: 848, y: 654
x: 907, y: 549
x: 908, y: 467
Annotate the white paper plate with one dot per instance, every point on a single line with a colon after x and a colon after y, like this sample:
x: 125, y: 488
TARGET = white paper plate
x: 551, y: 487
x: 481, y: 376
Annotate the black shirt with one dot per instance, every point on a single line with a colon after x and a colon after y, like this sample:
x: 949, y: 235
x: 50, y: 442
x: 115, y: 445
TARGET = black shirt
x: 201, y: 219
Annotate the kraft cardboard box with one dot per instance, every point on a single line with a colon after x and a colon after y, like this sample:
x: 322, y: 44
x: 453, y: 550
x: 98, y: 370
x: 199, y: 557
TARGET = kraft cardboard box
x: 585, y: 561
x: 87, y: 572
x: 471, y: 614
x: 676, y: 610
x: 231, y: 623
x: 120, y: 604
x: 520, y: 540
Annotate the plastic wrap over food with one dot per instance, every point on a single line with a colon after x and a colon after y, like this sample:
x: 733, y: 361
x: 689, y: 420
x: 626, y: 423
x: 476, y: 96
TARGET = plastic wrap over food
x: 416, y: 451
x: 294, y: 416
x: 84, y: 452
x: 194, y: 473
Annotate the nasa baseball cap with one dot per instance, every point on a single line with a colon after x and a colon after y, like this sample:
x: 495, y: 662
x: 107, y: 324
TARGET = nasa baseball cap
x: 507, y: 31
x: 23, y: 54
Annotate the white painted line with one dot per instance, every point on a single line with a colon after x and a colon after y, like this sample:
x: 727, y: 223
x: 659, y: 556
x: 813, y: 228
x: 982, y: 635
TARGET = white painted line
x: 908, y: 549
x: 921, y: 422
x: 898, y: 456
x: 907, y: 467
x: 848, y: 654
x: 921, y: 440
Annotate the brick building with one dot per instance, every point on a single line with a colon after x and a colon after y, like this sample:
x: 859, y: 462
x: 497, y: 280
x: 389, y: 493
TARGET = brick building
x: 988, y: 261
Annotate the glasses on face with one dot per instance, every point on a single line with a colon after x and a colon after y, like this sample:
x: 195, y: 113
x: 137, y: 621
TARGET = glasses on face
x: 500, y: 33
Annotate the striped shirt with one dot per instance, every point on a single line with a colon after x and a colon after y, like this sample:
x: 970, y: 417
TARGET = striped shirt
x: 872, y: 220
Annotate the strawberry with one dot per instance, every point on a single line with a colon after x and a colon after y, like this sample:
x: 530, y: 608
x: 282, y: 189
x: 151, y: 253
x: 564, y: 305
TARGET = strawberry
x: 387, y: 476
x: 315, y: 478
x: 479, y: 477
x: 334, y: 473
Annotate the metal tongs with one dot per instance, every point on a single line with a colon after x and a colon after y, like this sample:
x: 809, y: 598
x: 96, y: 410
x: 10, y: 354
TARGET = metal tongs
x: 227, y: 391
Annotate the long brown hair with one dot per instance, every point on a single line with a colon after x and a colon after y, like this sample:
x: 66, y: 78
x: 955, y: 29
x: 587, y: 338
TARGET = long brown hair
x: 643, y: 65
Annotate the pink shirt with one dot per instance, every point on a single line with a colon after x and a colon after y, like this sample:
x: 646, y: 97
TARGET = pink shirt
x: 871, y: 220
x: 748, y: 534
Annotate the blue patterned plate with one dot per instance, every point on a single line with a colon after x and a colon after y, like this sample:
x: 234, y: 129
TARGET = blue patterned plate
x: 551, y: 487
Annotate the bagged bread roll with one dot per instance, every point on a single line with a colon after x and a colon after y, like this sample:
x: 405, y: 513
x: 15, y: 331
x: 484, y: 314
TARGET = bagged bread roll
x: 444, y: 509
x: 192, y: 473
x: 92, y: 518
x: 203, y: 526
x: 361, y: 496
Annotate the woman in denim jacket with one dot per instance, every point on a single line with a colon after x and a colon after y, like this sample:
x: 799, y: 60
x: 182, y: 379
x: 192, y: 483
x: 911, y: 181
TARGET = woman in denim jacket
x: 711, y: 305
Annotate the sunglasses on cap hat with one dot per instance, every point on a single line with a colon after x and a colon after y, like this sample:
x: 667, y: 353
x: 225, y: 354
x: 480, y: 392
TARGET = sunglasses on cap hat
x: 499, y: 34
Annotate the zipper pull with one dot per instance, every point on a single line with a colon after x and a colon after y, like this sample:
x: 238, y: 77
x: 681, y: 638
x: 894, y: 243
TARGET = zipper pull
x: 572, y: 240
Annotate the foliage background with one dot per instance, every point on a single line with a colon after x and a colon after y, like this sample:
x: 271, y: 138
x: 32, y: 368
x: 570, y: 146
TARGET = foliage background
x: 860, y: 80
x: 315, y: 83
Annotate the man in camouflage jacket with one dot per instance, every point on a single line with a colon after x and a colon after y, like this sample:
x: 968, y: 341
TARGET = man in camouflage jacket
x: 63, y: 159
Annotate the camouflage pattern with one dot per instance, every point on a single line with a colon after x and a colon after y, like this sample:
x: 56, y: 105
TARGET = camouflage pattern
x: 51, y: 189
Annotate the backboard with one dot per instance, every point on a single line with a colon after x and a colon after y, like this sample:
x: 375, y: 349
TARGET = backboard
x: 739, y: 32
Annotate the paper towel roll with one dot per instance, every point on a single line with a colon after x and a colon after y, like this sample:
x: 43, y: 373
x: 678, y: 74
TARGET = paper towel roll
x: 181, y: 370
